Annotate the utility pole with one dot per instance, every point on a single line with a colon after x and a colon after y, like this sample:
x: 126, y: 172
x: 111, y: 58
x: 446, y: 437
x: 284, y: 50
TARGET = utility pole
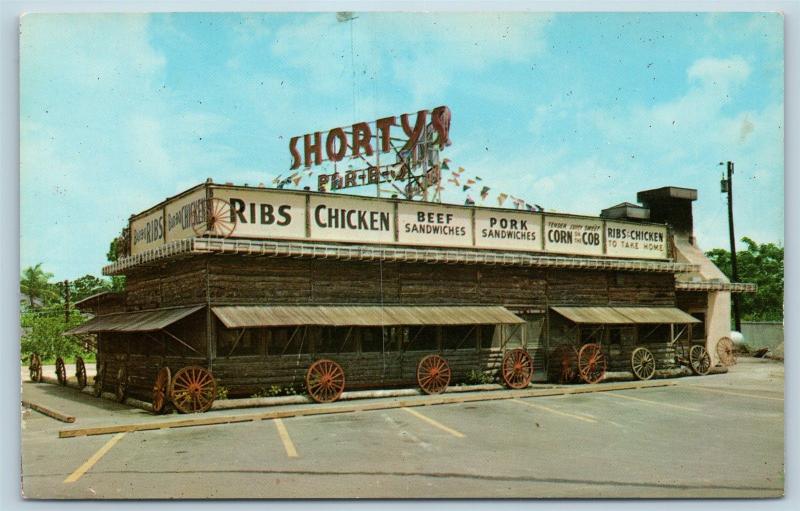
x: 727, y: 186
x: 66, y: 302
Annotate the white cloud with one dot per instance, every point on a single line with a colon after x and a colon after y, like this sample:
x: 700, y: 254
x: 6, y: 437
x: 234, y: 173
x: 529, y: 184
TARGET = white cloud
x: 719, y: 73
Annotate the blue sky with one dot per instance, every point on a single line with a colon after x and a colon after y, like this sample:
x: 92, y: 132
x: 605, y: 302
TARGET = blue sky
x: 575, y: 112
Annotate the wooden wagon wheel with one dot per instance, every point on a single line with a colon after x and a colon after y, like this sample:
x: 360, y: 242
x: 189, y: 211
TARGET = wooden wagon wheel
x: 80, y: 372
x: 591, y: 363
x: 433, y: 374
x: 161, y: 389
x: 35, y: 368
x: 122, y: 384
x: 61, y: 371
x: 325, y: 381
x: 643, y: 363
x: 517, y: 368
x: 98, y: 380
x: 193, y: 389
x: 726, y: 352
x: 563, y: 364
x: 219, y: 219
x: 699, y: 360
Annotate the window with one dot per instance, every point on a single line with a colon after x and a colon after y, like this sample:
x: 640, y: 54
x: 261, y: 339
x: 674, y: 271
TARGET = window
x: 591, y: 333
x: 654, y: 333
x: 336, y: 340
x: 490, y: 336
x: 238, y: 342
x: 513, y: 335
x: 615, y: 336
x: 699, y: 329
x: 421, y: 338
x: 460, y: 337
x: 287, y: 341
x: 372, y: 339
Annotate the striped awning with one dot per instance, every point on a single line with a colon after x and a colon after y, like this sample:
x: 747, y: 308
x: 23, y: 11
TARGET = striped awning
x: 140, y: 321
x: 321, y: 315
x: 625, y: 315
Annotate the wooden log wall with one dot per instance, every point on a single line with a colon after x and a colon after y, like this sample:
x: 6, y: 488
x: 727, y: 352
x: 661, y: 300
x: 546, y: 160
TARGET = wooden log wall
x: 252, y: 280
x: 228, y: 279
x: 628, y: 288
x: 692, y: 300
x: 181, y: 282
x: 245, y: 376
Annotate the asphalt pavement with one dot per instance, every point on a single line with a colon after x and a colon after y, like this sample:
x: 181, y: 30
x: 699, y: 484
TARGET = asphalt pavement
x: 712, y: 436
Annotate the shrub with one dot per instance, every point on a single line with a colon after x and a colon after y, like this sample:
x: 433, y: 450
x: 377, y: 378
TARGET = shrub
x: 476, y: 377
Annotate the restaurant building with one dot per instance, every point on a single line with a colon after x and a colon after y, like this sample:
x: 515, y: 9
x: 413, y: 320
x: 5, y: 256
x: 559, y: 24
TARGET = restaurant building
x: 257, y: 285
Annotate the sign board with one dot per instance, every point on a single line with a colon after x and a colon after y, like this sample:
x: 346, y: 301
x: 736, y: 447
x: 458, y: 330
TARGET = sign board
x: 361, y: 140
x: 334, y: 218
x: 624, y: 239
x: 573, y: 235
x: 262, y: 213
x: 433, y: 225
x: 259, y: 213
x: 508, y: 230
x: 147, y: 232
x: 184, y: 214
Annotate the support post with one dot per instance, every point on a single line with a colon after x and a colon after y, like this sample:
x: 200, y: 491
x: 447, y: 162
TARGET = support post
x: 734, y: 270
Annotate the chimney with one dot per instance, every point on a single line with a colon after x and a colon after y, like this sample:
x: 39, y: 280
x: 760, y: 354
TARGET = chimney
x: 671, y: 205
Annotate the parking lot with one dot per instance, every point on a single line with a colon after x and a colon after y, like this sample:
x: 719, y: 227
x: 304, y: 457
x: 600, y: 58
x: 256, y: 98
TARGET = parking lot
x: 713, y: 436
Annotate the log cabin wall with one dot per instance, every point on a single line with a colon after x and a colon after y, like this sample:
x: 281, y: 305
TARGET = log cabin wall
x: 243, y: 280
x: 181, y: 282
x: 142, y: 354
x: 234, y: 279
x: 691, y: 301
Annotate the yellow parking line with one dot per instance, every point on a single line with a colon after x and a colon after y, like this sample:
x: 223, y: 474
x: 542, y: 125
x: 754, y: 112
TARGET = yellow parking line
x: 285, y: 438
x: 700, y: 387
x: 553, y: 410
x: 656, y: 403
x: 94, y: 459
x: 433, y: 422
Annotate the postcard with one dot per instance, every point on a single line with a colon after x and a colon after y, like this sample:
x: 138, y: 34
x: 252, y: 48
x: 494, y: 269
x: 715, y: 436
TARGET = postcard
x: 331, y: 255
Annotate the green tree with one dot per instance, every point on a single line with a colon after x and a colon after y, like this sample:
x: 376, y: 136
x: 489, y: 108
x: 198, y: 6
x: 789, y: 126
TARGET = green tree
x: 87, y: 285
x: 761, y: 264
x: 35, y: 282
x: 117, y: 281
x: 41, y: 333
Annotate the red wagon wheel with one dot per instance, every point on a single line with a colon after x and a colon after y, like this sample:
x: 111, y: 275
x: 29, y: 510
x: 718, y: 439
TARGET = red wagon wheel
x: 35, y: 368
x: 726, y: 352
x: 98, y: 380
x: 80, y: 372
x: 563, y: 364
x: 193, y: 389
x: 122, y: 384
x: 219, y: 219
x: 699, y: 360
x: 325, y: 381
x: 517, y: 368
x: 591, y: 363
x: 61, y: 371
x: 433, y: 374
x: 643, y: 363
x: 160, y: 389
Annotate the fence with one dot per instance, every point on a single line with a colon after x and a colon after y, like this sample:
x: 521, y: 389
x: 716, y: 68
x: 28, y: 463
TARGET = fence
x: 762, y: 334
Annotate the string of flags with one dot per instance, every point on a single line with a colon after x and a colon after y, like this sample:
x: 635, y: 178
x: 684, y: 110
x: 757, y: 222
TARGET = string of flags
x: 457, y: 175
x: 457, y: 178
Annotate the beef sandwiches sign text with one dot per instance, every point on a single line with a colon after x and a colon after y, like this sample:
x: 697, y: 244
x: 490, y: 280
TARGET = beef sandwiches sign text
x: 260, y: 213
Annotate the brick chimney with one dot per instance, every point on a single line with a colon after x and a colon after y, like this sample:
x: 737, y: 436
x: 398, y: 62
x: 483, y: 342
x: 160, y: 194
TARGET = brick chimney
x: 671, y: 205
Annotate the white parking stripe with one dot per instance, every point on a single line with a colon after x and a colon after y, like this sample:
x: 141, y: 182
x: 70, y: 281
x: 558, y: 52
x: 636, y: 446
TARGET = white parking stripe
x: 285, y: 438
